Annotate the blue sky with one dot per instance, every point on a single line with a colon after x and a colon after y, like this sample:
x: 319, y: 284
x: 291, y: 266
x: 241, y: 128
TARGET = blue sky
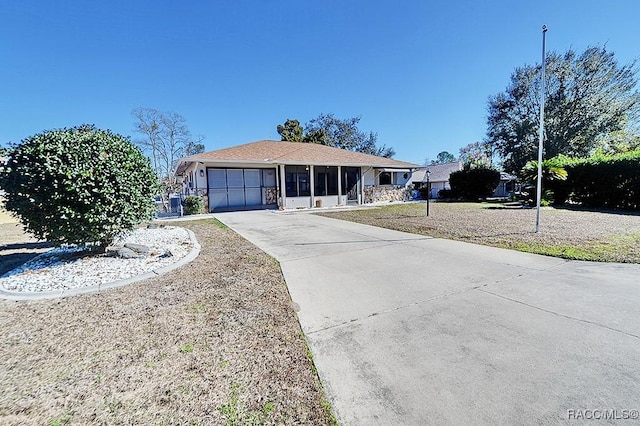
x: 418, y: 72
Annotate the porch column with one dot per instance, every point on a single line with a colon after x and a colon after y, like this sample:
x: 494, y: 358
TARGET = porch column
x: 339, y: 185
x: 312, y: 186
x: 283, y: 187
x: 361, y: 186
x: 195, y: 178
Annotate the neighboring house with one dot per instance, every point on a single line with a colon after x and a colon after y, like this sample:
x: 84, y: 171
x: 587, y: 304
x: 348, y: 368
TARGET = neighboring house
x: 270, y: 174
x: 506, y: 187
x: 439, y: 179
x: 438, y: 176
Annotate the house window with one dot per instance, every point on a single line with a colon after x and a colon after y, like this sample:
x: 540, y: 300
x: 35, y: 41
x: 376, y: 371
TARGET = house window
x: 325, y: 180
x: 385, y: 178
x: 297, y: 181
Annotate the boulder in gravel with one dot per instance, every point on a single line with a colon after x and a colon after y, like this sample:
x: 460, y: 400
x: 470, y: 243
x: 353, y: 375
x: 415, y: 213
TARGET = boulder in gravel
x: 113, y: 250
x: 167, y: 253
x: 138, y: 248
x: 127, y: 253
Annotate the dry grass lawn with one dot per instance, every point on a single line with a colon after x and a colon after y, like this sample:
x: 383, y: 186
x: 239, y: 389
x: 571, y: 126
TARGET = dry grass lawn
x: 214, y: 342
x: 568, y: 233
x: 17, y: 248
x: 5, y: 216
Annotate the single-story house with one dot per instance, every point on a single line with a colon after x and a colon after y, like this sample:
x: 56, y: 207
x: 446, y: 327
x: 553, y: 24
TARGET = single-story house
x: 438, y: 176
x: 506, y: 187
x: 289, y: 175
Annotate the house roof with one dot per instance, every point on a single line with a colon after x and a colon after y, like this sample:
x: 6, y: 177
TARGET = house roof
x: 507, y: 177
x: 290, y: 153
x: 439, y: 172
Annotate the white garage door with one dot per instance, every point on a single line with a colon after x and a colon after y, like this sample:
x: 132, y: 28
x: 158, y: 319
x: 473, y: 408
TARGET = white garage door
x: 234, y: 188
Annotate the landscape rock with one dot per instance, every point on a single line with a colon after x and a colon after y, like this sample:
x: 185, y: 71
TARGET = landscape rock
x: 112, y: 251
x: 167, y: 253
x: 138, y: 248
x: 127, y: 253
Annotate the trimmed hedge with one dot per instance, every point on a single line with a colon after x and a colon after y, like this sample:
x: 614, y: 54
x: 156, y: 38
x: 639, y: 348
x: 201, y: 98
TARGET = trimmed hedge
x: 600, y: 181
x: 447, y: 194
x: 473, y: 184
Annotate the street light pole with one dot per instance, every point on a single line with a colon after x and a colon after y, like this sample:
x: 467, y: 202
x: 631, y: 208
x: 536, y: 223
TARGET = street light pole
x: 541, y: 136
x: 427, y: 173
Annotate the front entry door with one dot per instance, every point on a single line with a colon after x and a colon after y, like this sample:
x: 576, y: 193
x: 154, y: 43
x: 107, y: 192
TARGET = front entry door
x: 351, y: 183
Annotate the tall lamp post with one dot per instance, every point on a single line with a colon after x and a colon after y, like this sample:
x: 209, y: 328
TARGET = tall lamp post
x: 541, y: 136
x: 427, y: 174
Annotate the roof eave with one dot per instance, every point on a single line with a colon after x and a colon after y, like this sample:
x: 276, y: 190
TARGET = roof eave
x: 296, y: 163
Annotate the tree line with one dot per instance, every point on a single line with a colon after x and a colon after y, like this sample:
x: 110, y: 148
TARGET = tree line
x: 592, y: 106
x: 326, y: 129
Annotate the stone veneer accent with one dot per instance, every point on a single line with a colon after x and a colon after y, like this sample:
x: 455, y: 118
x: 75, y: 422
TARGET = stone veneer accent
x: 374, y: 194
x: 271, y: 195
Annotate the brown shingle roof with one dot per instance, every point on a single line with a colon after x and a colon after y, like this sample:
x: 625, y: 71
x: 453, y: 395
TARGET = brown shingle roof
x: 277, y: 152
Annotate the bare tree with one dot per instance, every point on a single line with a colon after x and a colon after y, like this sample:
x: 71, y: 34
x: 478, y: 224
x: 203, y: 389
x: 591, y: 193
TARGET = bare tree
x: 166, y: 139
x: 174, y: 138
x: 148, y: 124
x: 477, y: 155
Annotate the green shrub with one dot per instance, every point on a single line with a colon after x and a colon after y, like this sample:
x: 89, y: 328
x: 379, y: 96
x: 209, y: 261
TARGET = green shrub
x: 447, y: 194
x: 610, y: 181
x: 554, y: 175
x: 424, y: 192
x: 473, y: 184
x: 607, y: 181
x: 79, y: 185
x: 193, y: 205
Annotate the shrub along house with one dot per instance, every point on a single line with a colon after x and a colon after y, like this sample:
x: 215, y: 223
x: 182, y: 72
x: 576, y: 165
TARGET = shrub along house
x: 271, y: 174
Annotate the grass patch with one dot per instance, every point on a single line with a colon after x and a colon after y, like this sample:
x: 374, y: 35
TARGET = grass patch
x: 215, y: 222
x: 61, y: 420
x: 186, y: 349
x: 199, y: 308
x: 605, y: 236
x: 235, y: 412
x: 562, y: 251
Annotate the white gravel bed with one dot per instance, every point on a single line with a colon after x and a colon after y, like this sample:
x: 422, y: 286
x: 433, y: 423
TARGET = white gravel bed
x: 53, y: 270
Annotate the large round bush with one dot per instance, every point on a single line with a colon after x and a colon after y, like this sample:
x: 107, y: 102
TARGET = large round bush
x: 78, y: 185
x: 473, y: 184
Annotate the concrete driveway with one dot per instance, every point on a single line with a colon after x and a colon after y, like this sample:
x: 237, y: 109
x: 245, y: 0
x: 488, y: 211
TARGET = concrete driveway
x: 406, y: 329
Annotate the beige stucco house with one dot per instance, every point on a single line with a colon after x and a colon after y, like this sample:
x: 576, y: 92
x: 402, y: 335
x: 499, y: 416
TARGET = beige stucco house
x: 289, y: 175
